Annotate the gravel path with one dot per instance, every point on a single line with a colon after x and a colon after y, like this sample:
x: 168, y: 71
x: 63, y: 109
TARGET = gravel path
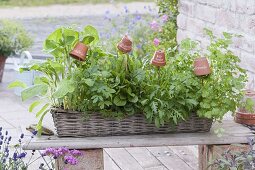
x: 72, y: 10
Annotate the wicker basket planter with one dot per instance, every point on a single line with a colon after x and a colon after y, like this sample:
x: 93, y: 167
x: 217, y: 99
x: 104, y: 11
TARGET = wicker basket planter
x: 71, y: 124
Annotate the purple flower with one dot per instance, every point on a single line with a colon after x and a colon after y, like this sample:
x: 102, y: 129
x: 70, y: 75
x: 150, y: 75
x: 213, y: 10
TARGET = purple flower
x: 164, y: 18
x: 139, y: 46
x: 76, y: 153
x: 34, y: 132
x: 61, y: 151
x: 126, y: 9
x: 70, y: 160
x: 49, y: 151
x: 22, y: 136
x: 154, y: 25
x: 22, y: 155
x: 15, y: 156
x: 156, y: 42
x: 107, y: 12
x: 138, y: 17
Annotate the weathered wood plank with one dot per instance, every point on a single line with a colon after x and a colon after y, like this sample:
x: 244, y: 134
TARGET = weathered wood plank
x: 109, y: 164
x: 186, y: 155
x: 123, y: 159
x: 91, y: 159
x: 144, y: 157
x: 234, y: 133
x: 157, y: 168
x: 168, y: 158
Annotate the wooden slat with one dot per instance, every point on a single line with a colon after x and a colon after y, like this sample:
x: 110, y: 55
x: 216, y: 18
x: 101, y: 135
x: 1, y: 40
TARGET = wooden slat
x: 144, y: 157
x: 168, y: 158
x: 123, y: 159
x: 157, y: 168
x: 234, y: 133
x: 109, y: 164
x: 186, y: 155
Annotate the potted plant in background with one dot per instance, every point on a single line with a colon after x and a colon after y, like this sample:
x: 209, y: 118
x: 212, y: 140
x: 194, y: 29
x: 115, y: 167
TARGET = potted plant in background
x: 245, y: 113
x: 13, y: 40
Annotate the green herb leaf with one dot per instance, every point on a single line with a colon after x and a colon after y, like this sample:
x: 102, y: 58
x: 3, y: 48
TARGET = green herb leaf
x: 33, y: 105
x: 17, y: 83
x: 119, y: 102
x: 33, y: 91
x: 64, y: 87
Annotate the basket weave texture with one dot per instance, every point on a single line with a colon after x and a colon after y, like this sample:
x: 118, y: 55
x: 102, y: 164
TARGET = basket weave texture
x: 72, y: 124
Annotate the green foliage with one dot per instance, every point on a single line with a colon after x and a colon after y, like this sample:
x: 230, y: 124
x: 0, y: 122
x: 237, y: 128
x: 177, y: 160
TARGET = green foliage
x: 169, y: 29
x: 13, y: 38
x: 119, y: 85
x: 247, y: 105
x: 236, y: 160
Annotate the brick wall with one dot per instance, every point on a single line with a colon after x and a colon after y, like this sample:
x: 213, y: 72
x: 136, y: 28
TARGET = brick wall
x: 234, y: 16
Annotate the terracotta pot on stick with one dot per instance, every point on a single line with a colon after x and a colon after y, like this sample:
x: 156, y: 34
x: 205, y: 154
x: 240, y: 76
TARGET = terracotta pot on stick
x: 201, y: 66
x: 79, y: 52
x: 125, y: 45
x: 159, y: 59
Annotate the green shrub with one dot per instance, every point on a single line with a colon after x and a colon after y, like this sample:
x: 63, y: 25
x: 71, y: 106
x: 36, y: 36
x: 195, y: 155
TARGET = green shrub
x: 13, y: 38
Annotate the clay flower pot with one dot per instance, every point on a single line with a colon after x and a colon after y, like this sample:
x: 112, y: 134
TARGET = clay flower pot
x: 250, y: 94
x: 2, y: 64
x: 201, y: 66
x: 80, y: 51
x: 242, y: 116
x: 125, y: 45
x: 245, y: 118
x: 159, y: 59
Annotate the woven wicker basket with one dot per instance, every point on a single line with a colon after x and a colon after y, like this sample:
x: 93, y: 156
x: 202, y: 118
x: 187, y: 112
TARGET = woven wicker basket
x: 71, y: 124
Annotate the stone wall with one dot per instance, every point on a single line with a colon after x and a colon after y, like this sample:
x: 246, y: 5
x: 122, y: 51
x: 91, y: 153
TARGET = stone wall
x: 234, y: 16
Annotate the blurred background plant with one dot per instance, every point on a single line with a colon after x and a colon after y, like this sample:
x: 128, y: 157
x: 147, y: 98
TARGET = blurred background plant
x: 13, y: 38
x: 149, y: 32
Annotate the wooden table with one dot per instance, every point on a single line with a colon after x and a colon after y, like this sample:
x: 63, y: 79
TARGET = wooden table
x: 93, y: 146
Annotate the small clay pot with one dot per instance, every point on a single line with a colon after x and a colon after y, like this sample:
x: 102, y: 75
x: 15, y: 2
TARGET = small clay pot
x: 2, y: 64
x: 250, y: 93
x: 159, y: 59
x: 245, y: 118
x: 201, y: 66
x: 125, y: 45
x: 242, y: 116
x: 79, y: 52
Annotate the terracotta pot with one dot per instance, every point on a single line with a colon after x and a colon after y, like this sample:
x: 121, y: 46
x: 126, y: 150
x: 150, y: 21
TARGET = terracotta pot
x: 159, y: 59
x: 125, y: 45
x: 80, y: 51
x: 250, y: 93
x: 201, y: 66
x: 245, y: 118
x: 2, y: 64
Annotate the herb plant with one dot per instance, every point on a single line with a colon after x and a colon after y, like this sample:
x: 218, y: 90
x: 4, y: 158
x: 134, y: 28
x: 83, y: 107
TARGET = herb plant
x: 119, y: 85
x: 233, y: 160
x: 247, y: 106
